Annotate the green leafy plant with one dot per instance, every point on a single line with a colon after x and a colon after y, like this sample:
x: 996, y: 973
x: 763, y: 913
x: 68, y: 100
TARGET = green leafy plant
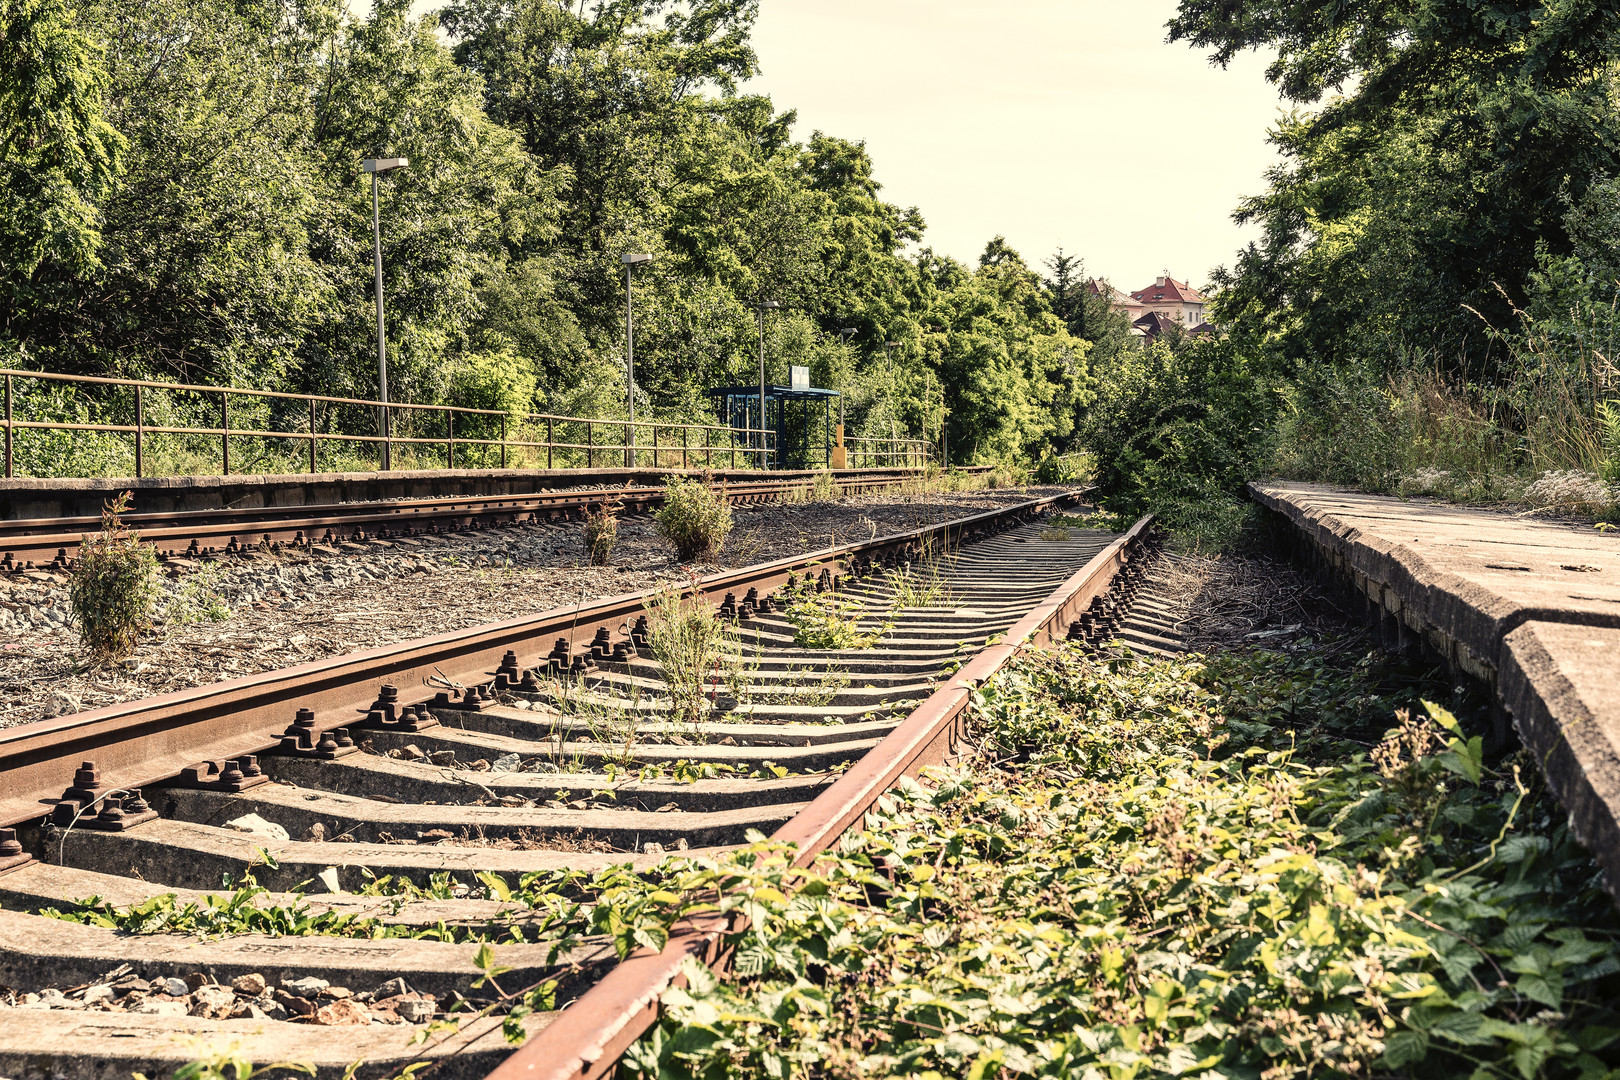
x: 601, y: 532
x: 1190, y: 870
x: 113, y: 587
x: 695, y: 517
x: 690, y: 642
x: 831, y: 621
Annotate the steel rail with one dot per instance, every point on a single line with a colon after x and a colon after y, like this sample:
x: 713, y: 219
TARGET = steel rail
x: 41, y: 539
x: 587, y: 1038
x: 145, y: 742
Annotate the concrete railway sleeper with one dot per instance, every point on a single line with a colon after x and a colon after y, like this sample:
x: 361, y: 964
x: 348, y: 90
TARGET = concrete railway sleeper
x: 412, y: 811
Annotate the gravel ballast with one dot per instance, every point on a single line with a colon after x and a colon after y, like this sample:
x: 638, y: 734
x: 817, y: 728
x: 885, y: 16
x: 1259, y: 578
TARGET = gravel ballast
x: 236, y: 616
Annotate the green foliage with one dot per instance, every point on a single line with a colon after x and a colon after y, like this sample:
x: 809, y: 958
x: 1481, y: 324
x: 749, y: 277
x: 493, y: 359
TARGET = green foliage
x: 113, y: 587
x: 1164, y: 885
x: 1178, y: 432
x: 695, y: 517
x: 601, y: 532
x: 829, y: 620
x: 690, y: 642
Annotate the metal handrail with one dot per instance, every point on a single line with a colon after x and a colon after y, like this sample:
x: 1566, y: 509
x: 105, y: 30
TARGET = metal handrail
x: 754, y: 444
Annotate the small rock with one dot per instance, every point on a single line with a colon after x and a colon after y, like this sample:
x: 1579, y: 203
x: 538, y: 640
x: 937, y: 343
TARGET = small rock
x: 505, y: 763
x: 433, y: 836
x: 308, y: 986
x: 479, y: 766
x: 94, y: 994
x: 679, y: 740
x: 247, y: 1010
x: 416, y: 1010
x: 212, y: 1002
x: 174, y: 987
x: 728, y: 741
x: 337, y: 993
x: 342, y: 1013
x: 514, y: 800
x: 132, y: 984
x: 257, y: 826
x: 522, y: 703
x: 294, y: 1004
x: 443, y: 757
x: 679, y: 845
x: 412, y: 752
x: 579, y: 804
x: 273, y: 1010
x: 161, y: 1007
x: 650, y: 848
x: 196, y: 980
x: 249, y: 985
x: 392, y: 988
x: 316, y: 834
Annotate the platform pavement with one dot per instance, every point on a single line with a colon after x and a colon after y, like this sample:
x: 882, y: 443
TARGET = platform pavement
x: 1530, y: 606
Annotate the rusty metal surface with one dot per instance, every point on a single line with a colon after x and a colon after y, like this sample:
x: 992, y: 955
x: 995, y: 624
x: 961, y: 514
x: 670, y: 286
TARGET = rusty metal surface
x: 587, y: 1038
x: 38, y: 540
x: 139, y: 743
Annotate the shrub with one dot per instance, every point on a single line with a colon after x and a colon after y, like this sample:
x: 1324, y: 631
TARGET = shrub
x: 690, y: 642
x: 113, y: 588
x: 828, y: 621
x: 695, y: 517
x: 601, y: 533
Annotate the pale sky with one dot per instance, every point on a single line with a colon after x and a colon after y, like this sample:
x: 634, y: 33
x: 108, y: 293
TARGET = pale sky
x: 1052, y: 122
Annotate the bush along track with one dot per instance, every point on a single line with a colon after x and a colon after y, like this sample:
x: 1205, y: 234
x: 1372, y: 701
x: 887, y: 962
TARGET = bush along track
x: 1264, y: 865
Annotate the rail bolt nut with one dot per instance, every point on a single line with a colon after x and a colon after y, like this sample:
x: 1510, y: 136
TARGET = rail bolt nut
x: 328, y: 743
x: 304, y: 718
x: 9, y: 845
x: 231, y: 773
x: 87, y: 776
x: 134, y: 803
x: 112, y: 811
x: 342, y: 736
x: 249, y: 764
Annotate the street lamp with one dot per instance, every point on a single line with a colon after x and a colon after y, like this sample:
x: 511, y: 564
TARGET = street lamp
x: 377, y: 166
x: 888, y: 362
x: 630, y: 263
x: 761, y: 308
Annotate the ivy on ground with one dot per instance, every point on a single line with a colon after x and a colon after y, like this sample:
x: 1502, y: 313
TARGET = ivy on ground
x: 1179, y: 869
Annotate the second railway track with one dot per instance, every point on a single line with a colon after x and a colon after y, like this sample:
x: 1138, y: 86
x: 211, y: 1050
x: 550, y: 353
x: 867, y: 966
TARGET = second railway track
x: 37, y: 543
x: 551, y: 750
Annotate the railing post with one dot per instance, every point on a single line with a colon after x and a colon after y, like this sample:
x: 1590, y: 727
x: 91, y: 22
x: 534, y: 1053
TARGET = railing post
x: 450, y: 427
x: 683, y: 446
x: 225, y: 432
x: 388, y: 439
x: 551, y: 442
x: 8, y: 427
x: 655, y: 445
x: 503, y: 440
x: 590, y: 446
x: 629, y: 447
x: 140, y: 426
x: 312, y: 467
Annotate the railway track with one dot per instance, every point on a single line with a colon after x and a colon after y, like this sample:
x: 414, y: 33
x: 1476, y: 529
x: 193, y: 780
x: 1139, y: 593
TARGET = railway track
x: 52, y: 543
x: 416, y: 785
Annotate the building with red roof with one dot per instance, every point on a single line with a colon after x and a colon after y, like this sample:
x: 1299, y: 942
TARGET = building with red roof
x: 1174, y: 299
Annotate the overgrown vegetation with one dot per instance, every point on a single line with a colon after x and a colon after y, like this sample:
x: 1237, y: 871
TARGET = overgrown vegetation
x: 1190, y: 869
x: 831, y: 620
x: 600, y: 533
x: 695, y: 517
x: 691, y: 644
x: 114, y: 586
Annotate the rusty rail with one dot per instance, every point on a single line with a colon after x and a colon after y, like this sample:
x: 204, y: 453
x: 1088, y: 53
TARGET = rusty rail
x: 41, y: 539
x: 587, y: 1039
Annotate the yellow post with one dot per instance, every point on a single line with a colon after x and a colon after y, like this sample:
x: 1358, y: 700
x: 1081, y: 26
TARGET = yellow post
x: 840, y: 457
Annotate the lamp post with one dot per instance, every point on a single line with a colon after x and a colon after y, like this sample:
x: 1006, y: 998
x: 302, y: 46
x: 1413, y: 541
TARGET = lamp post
x: 888, y: 362
x: 630, y: 263
x: 377, y: 166
x: 761, y: 308
x: 844, y: 334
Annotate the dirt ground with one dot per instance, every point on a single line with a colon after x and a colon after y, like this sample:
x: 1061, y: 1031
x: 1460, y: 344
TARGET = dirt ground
x: 238, y: 616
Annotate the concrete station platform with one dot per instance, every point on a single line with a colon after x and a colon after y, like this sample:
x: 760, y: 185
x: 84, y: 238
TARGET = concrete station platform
x: 48, y: 498
x: 1530, y: 607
